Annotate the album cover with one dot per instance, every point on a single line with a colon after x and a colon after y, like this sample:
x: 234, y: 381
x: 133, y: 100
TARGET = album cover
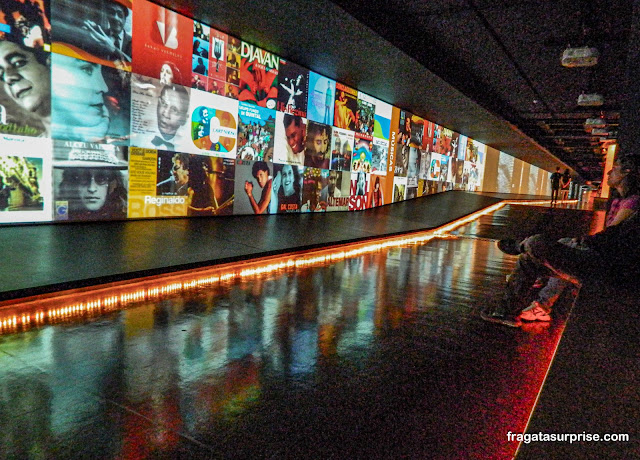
x: 382, y: 119
x: 293, y: 88
x: 253, y: 187
x: 290, y: 139
x: 160, y: 115
x: 361, y: 160
x: 365, y: 115
x: 337, y: 191
x: 342, y: 144
x: 25, y: 179
x: 89, y: 102
x: 314, y: 181
x: 286, y: 193
x: 256, y: 132
x: 90, y: 180
x: 218, y: 55
x: 359, y: 191
x: 321, y: 100
x: 258, y: 76
x: 162, y: 43
x: 346, y: 106
x: 99, y: 32
x: 379, y: 152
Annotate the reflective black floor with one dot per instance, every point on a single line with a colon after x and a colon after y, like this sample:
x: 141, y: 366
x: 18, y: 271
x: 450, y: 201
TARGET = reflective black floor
x: 377, y: 356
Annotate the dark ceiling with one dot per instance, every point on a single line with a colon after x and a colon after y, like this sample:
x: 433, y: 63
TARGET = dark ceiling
x: 505, y: 54
x: 489, y: 69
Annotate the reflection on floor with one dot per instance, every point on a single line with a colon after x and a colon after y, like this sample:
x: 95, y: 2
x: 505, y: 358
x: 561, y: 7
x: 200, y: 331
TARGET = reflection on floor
x: 378, y: 355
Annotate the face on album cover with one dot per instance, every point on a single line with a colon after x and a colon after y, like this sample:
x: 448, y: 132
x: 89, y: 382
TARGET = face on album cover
x: 253, y: 187
x: 163, y: 43
x: 90, y: 102
x: 314, y: 181
x: 290, y: 139
x: 25, y: 64
x: 287, y: 188
x: 98, y: 31
x: 90, y: 181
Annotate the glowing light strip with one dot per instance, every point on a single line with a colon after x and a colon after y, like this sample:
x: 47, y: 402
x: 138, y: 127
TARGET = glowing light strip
x: 24, y: 314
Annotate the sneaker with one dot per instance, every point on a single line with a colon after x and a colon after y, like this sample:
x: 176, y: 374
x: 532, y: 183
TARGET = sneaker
x: 499, y: 318
x: 535, y: 312
x: 510, y: 246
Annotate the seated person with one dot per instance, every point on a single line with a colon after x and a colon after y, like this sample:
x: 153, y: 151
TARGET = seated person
x: 538, y: 255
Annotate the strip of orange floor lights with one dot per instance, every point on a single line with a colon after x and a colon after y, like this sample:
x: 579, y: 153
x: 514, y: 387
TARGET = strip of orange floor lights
x: 77, y: 304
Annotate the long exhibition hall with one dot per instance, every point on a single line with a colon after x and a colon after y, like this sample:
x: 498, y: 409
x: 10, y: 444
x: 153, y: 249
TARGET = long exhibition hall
x: 286, y: 230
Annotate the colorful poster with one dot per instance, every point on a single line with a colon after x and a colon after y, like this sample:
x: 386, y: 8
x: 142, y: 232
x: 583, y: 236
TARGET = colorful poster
x: 286, y: 193
x: 413, y: 167
x: 399, y: 189
x: 98, y: 32
x: 417, y: 131
x: 379, y: 151
x: 90, y: 102
x: 445, y: 141
x: 25, y: 98
x: 429, y: 133
x: 412, y: 192
x: 359, y: 191
x: 382, y: 120
x: 158, y: 183
x: 314, y: 180
x: 166, y: 184
x: 376, y: 196
x: 395, y: 143
x: 214, y: 125
x: 425, y: 164
x: 361, y: 160
x: 342, y: 142
x: 322, y: 92
x: 291, y: 139
x: 26, y: 22
x: 346, y: 106
x: 317, y: 152
x: 25, y: 179
x: 462, y: 147
x: 162, y: 43
x: 434, y: 168
x: 200, y: 50
x: 293, y: 88
x: 90, y: 181
x: 218, y: 60
x: 256, y: 132
x: 159, y: 114
x: 258, y: 76
x: 402, y: 160
x: 336, y: 193
x: 444, y: 169
x: 233, y: 68
x: 365, y: 114
x: 253, y: 187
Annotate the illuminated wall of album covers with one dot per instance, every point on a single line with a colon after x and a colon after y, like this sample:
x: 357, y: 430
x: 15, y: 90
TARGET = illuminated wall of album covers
x: 116, y: 109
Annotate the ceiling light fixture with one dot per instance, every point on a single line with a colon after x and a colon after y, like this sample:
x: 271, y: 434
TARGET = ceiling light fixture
x: 580, y: 57
x: 590, y: 100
